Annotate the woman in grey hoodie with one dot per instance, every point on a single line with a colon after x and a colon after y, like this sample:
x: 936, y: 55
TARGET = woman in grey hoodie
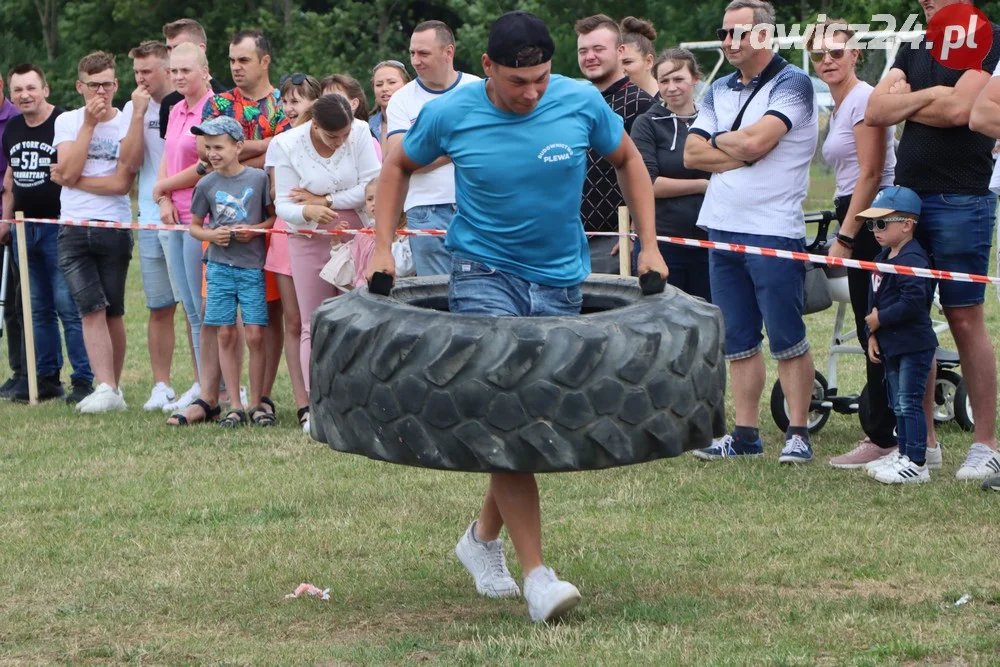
x: 660, y: 134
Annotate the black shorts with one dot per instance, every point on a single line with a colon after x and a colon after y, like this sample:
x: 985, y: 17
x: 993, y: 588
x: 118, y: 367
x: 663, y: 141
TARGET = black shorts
x: 95, y: 262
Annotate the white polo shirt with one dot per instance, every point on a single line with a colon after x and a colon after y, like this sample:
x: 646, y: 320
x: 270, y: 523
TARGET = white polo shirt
x: 437, y: 186
x: 765, y: 198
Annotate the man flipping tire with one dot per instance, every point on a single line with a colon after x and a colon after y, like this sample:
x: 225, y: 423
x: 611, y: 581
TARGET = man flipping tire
x: 519, y: 144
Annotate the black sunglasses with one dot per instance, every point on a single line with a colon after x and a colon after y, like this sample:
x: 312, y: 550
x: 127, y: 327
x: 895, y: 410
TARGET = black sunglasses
x: 722, y: 33
x: 296, y: 79
x: 817, y: 56
x: 881, y: 224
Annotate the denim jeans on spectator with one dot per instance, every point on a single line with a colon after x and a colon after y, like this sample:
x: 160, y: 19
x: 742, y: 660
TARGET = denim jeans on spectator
x: 429, y: 255
x: 13, y: 326
x: 478, y: 289
x: 184, y: 254
x: 906, y: 379
x: 957, y: 233
x: 51, y: 303
x: 95, y: 262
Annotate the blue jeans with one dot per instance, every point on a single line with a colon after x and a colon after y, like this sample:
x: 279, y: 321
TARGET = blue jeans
x: 477, y: 289
x: 957, y: 233
x: 429, y: 255
x: 51, y: 302
x: 754, y: 291
x: 906, y: 379
x: 184, y: 264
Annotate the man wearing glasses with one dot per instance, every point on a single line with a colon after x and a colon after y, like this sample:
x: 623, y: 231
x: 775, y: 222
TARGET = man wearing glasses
x: 756, y: 133
x: 99, y: 151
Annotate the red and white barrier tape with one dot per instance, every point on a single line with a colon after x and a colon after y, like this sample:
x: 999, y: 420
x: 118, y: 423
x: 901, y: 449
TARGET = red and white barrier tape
x: 677, y: 240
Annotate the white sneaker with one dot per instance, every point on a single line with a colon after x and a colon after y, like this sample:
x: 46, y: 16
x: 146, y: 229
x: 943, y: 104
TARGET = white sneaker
x: 887, y: 460
x: 79, y: 406
x: 184, y: 400
x: 306, y: 428
x: 981, y: 463
x: 104, y: 399
x: 548, y: 597
x: 934, y: 457
x: 903, y: 471
x: 161, y: 395
x: 486, y: 563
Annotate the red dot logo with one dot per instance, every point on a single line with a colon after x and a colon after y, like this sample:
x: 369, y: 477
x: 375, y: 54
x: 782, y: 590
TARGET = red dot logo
x: 959, y: 37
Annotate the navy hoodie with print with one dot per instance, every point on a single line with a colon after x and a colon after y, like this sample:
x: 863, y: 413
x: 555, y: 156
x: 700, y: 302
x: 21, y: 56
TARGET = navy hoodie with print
x: 904, y: 304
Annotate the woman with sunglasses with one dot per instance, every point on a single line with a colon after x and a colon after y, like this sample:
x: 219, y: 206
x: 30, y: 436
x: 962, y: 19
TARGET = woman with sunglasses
x: 864, y: 162
x: 298, y: 93
x: 387, y: 77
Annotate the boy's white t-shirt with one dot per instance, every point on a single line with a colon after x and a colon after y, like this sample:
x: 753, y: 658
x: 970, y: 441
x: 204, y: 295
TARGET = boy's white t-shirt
x: 152, y: 155
x: 102, y: 160
x: 437, y: 186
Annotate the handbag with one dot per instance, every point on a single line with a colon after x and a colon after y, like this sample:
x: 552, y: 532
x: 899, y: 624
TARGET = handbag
x: 817, y: 295
x: 339, y: 271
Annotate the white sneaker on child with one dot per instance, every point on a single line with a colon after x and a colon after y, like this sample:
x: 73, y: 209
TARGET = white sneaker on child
x: 185, y: 399
x: 877, y: 464
x: 486, y: 563
x: 160, y: 396
x: 549, y: 598
x: 903, y: 471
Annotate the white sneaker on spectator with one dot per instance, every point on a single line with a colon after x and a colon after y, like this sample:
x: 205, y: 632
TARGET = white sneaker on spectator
x: 160, y: 396
x: 306, y: 427
x: 486, y: 563
x: 934, y: 458
x: 903, y: 471
x: 79, y: 406
x: 888, y: 460
x: 548, y: 597
x: 185, y: 399
x: 104, y: 399
x: 982, y: 462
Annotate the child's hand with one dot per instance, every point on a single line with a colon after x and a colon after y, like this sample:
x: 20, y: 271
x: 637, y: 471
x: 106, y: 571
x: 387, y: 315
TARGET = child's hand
x: 243, y: 233
x: 872, y: 320
x: 220, y: 236
x: 873, y: 350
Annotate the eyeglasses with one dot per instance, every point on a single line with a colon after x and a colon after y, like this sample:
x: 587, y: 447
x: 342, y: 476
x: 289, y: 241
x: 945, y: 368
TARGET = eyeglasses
x: 94, y: 86
x: 722, y: 33
x: 817, y: 56
x: 389, y: 63
x: 296, y: 79
x: 881, y: 224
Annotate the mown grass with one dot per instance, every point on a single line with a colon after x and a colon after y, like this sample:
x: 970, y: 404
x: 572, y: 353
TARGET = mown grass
x: 123, y: 541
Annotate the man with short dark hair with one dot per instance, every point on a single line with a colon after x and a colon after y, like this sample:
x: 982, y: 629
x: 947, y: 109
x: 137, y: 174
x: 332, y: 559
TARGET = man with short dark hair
x: 599, y: 49
x: 516, y: 142
x: 430, y: 202
x: 183, y: 31
x: 28, y: 145
x: 99, y: 151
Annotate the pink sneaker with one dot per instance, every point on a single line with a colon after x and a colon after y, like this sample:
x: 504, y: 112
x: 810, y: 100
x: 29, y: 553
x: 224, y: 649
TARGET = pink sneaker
x: 866, y: 452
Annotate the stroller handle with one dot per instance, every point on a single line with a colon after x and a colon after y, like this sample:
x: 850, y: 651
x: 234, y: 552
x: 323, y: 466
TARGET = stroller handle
x: 824, y: 218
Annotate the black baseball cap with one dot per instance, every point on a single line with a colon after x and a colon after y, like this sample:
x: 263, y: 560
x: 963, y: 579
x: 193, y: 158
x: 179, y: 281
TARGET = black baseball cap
x: 515, y: 31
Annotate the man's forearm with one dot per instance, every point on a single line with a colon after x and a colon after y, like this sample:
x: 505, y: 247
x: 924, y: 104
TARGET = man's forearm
x: 699, y: 154
x: 985, y: 118
x: 130, y: 153
x: 890, y: 109
x: 637, y: 189
x: 73, y: 158
x: 253, y: 148
x: 119, y: 184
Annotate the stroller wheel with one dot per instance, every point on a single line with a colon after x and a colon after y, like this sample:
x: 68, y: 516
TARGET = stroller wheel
x: 963, y: 408
x: 818, y: 414
x: 945, y: 394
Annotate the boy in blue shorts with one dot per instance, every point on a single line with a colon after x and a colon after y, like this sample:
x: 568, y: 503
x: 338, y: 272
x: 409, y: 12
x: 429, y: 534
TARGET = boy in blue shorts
x: 237, y: 201
x: 900, y: 333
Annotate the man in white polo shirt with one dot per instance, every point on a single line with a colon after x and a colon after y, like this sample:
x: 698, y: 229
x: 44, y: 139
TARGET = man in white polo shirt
x: 430, y: 203
x: 756, y: 133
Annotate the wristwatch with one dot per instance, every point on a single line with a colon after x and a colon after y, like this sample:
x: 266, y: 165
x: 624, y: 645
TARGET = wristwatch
x: 202, y: 168
x: 329, y: 201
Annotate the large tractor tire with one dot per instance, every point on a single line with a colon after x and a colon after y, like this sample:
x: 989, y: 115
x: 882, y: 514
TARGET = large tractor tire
x: 632, y: 379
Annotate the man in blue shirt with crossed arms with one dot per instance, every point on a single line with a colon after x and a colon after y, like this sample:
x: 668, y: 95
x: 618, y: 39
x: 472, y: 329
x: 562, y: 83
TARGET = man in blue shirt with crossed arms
x: 519, y: 143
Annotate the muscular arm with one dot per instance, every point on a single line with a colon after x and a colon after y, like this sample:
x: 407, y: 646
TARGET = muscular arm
x: 754, y: 142
x: 118, y: 184
x: 130, y: 153
x: 393, y: 184
x: 985, y: 115
x: 397, y: 139
x: 954, y: 110
x: 699, y: 154
x: 637, y: 189
x: 7, y: 208
x: 886, y: 108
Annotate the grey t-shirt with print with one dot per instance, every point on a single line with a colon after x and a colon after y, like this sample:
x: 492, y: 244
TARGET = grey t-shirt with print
x: 225, y: 201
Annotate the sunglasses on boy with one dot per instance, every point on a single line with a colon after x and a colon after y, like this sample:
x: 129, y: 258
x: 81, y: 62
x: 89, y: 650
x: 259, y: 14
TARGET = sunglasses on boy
x: 817, y: 56
x: 881, y: 224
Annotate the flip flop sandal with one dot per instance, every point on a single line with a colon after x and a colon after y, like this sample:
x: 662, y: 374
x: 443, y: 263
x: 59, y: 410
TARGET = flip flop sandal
x: 303, y: 415
x: 234, y: 419
x: 211, y: 415
x: 261, y: 417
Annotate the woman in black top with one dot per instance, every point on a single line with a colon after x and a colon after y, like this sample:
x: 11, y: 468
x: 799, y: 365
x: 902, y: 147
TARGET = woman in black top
x: 660, y: 134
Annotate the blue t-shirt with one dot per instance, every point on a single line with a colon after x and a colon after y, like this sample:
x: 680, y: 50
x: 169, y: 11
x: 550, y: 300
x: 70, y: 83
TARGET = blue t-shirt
x: 519, y: 177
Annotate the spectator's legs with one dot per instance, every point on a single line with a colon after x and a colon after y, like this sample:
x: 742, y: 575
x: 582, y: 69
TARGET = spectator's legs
x: 512, y: 500
x: 160, y: 342
x: 273, y: 345
x: 979, y: 368
x: 211, y: 372
x: 293, y: 335
x: 309, y: 256
x: 747, y: 378
x: 68, y: 314
x: 116, y: 333
x: 100, y: 348
x: 45, y: 321
x: 796, y: 377
x: 256, y: 337
x: 229, y: 361
x: 13, y: 328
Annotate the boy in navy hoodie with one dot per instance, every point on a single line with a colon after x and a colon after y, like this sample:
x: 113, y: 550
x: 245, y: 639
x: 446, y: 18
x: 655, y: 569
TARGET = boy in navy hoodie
x: 900, y: 334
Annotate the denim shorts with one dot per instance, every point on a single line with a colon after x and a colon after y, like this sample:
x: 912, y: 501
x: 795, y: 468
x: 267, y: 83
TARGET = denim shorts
x: 155, y: 275
x: 229, y: 286
x: 957, y: 233
x: 752, y: 290
x: 477, y: 289
x: 95, y: 262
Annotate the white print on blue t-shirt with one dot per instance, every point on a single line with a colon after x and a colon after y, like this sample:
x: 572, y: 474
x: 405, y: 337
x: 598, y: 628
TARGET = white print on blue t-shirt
x: 229, y: 209
x: 555, y: 153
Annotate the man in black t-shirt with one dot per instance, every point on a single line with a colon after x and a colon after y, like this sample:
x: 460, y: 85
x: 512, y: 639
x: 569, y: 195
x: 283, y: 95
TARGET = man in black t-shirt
x: 177, y: 32
x: 599, y: 51
x: 27, y: 144
x: 949, y: 166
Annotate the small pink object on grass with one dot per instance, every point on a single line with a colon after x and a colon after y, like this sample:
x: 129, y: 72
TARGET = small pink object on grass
x: 312, y: 591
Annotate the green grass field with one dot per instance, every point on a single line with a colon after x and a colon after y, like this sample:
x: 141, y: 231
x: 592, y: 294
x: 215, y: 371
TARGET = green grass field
x: 123, y: 541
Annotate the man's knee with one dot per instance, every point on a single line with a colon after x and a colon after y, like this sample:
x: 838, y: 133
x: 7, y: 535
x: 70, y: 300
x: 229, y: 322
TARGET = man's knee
x: 966, y: 323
